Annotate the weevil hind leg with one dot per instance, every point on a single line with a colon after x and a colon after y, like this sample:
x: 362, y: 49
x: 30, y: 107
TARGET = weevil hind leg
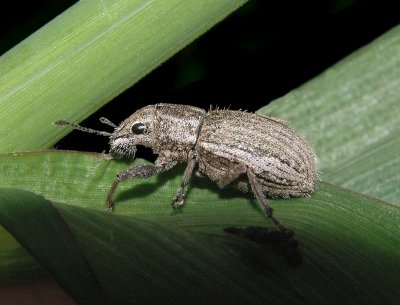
x: 232, y: 174
x: 258, y: 192
x: 179, y: 199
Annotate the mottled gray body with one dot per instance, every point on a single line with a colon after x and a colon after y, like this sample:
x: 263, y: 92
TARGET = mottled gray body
x: 251, y: 152
x: 281, y: 160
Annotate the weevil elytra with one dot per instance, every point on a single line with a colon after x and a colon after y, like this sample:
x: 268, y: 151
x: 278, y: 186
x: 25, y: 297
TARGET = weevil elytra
x: 249, y: 151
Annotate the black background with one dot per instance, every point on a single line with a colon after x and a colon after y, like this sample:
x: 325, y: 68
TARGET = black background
x: 257, y: 54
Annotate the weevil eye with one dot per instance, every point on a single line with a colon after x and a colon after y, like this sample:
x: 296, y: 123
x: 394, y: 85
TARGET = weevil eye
x: 138, y: 128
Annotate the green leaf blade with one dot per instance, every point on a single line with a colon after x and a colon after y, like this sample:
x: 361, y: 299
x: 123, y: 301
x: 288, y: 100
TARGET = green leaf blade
x: 88, y: 55
x: 189, y: 252
x: 341, y: 235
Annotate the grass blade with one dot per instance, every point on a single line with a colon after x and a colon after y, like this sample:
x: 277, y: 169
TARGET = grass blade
x: 345, y: 247
x: 87, y: 56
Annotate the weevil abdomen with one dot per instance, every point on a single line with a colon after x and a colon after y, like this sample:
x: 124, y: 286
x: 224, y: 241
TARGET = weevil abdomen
x: 281, y: 159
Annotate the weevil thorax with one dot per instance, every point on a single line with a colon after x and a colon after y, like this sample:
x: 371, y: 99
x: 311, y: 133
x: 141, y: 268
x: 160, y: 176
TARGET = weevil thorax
x: 176, y: 130
x: 135, y: 130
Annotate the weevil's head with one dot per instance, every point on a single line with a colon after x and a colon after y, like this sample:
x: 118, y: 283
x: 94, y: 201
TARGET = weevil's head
x: 135, y: 130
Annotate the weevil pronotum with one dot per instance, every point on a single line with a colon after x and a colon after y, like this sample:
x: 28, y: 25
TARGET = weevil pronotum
x: 249, y: 151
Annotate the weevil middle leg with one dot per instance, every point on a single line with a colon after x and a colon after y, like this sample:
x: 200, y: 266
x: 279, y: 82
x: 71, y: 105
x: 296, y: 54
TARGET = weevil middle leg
x: 179, y: 199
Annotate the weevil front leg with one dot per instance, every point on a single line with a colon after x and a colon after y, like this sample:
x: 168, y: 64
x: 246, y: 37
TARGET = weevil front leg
x: 138, y: 171
x: 179, y: 199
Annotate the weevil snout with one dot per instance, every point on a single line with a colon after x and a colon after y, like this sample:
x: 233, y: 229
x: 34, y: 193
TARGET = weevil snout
x: 122, y: 147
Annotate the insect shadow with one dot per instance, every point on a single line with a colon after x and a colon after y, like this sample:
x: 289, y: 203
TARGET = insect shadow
x: 145, y: 188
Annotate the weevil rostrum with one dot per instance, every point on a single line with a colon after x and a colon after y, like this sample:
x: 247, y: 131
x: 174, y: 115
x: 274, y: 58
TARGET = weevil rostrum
x: 249, y: 151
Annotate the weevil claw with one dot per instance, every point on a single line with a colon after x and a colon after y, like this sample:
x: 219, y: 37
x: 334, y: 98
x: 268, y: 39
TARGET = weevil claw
x: 108, y: 210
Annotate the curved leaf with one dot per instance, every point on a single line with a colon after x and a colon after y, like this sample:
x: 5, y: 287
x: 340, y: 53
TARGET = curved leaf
x: 88, y: 55
x: 348, y: 241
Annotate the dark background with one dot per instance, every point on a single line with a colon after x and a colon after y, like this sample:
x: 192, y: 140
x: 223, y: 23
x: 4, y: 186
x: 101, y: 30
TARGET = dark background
x: 259, y: 53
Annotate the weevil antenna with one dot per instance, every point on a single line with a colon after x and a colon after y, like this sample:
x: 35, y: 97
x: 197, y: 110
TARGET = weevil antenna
x: 84, y: 129
x: 107, y: 122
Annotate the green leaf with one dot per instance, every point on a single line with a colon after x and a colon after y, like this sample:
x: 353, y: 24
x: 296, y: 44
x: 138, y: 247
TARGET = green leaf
x: 348, y: 241
x: 88, y: 55
x: 350, y: 113
x: 38, y: 226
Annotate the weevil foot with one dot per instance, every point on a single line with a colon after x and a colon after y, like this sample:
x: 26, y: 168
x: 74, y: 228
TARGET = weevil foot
x: 109, y: 206
x: 179, y: 199
x: 177, y: 203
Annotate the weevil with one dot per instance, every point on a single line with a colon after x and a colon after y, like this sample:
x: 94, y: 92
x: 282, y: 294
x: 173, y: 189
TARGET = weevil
x: 252, y: 152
